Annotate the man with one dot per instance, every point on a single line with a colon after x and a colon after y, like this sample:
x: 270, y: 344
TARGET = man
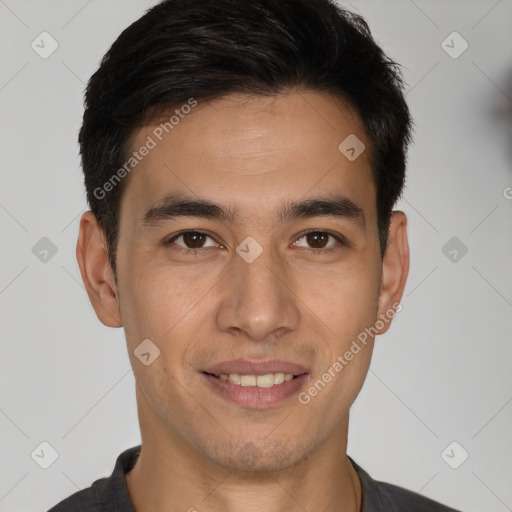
x: 242, y: 159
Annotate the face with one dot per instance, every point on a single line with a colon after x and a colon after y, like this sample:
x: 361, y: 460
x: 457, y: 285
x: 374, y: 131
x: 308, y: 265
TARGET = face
x: 250, y: 279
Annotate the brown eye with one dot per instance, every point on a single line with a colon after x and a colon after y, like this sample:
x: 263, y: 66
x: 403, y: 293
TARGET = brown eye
x: 190, y: 240
x: 193, y: 240
x: 318, y: 240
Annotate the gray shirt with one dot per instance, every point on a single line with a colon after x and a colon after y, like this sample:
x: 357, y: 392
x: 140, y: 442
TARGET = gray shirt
x: 111, y: 494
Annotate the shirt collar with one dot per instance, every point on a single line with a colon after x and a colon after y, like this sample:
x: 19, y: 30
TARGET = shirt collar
x: 372, y: 499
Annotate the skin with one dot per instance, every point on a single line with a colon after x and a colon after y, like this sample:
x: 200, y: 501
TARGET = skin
x: 252, y: 153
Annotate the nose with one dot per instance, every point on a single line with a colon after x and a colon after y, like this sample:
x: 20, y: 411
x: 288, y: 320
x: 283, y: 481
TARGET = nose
x: 258, y: 300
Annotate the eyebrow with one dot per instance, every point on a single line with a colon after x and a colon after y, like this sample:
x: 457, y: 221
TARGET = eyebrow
x: 177, y: 205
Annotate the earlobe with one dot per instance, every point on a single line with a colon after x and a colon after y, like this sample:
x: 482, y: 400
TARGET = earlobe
x: 395, y: 269
x: 97, y: 275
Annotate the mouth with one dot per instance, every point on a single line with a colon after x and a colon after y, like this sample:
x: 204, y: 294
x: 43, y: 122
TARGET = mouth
x: 255, y: 384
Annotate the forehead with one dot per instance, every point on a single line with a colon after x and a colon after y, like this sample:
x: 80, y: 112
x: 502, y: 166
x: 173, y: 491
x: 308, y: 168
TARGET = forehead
x: 252, y: 152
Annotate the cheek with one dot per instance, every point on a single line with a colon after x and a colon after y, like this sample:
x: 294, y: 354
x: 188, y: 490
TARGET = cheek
x: 343, y: 298
x: 171, y: 308
x: 154, y: 299
x: 160, y: 308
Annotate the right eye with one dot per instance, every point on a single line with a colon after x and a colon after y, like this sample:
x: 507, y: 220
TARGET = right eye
x: 193, y: 241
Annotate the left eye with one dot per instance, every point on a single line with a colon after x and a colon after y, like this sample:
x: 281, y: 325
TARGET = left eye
x: 319, y: 238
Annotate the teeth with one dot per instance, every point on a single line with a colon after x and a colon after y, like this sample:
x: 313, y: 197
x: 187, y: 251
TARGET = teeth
x: 234, y: 378
x: 265, y: 381
x: 278, y: 378
x: 248, y: 380
x: 261, y: 381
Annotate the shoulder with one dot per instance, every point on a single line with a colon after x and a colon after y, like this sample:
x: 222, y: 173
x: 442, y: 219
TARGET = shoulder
x: 92, y: 499
x: 107, y: 494
x: 405, y: 501
x: 384, y: 497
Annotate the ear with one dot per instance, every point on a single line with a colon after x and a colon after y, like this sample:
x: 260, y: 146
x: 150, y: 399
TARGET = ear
x: 97, y: 275
x: 395, y: 269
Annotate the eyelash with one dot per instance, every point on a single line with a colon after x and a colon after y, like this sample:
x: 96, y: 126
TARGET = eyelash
x: 316, y: 252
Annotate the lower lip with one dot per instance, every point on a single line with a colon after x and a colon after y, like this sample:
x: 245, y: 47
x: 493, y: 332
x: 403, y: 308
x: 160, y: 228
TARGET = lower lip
x: 255, y: 397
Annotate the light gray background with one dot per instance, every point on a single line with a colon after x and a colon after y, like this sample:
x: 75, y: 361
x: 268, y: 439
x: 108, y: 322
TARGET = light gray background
x: 442, y: 372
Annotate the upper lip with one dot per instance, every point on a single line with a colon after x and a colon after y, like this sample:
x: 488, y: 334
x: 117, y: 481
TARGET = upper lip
x: 247, y: 367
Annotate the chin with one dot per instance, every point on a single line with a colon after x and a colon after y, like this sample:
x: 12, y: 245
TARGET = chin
x: 250, y: 457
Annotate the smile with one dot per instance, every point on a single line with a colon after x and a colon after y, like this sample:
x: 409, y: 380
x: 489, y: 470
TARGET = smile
x: 256, y: 391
